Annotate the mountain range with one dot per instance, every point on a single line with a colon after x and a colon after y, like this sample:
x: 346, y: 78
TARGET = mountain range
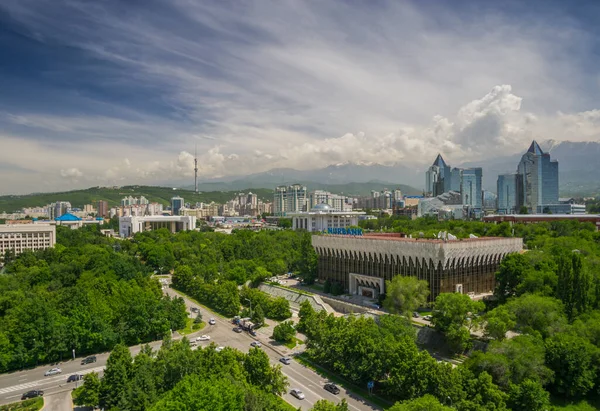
x: 579, y: 164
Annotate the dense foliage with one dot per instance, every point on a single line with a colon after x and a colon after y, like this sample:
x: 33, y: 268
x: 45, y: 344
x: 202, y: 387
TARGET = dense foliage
x: 88, y: 293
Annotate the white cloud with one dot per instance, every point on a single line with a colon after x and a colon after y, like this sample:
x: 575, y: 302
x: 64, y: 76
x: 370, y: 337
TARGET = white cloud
x: 71, y: 173
x: 303, y: 85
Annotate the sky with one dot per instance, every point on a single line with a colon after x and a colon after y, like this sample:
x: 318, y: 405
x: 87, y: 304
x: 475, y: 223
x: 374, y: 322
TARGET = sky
x: 118, y: 92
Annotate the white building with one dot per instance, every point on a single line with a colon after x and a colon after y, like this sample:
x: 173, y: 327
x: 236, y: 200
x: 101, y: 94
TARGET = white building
x: 290, y: 199
x: 128, y: 226
x: 21, y: 237
x: 322, y: 217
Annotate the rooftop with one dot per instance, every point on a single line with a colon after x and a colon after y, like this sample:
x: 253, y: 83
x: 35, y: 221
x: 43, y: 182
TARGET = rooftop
x: 400, y: 237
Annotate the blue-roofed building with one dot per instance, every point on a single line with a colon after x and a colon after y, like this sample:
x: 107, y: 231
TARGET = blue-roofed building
x: 74, y: 222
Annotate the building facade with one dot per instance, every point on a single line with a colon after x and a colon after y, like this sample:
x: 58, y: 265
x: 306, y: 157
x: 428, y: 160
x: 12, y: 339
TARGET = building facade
x: 177, y: 203
x: 290, y: 199
x: 509, y: 191
x: 19, y: 238
x: 323, y: 217
x: 103, y: 210
x: 363, y: 264
x: 438, y: 177
x: 539, y: 175
x: 128, y: 226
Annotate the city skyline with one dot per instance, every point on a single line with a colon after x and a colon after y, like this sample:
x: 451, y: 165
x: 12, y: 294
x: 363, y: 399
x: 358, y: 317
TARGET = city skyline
x: 112, y: 92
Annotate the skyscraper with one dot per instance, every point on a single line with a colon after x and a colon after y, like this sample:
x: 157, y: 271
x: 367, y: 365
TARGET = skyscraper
x: 438, y: 177
x: 470, y: 188
x: 176, y: 205
x: 539, y: 175
x: 290, y: 199
x: 509, y: 191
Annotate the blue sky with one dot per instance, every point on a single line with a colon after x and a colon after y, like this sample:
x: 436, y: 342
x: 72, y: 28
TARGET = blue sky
x: 114, y: 92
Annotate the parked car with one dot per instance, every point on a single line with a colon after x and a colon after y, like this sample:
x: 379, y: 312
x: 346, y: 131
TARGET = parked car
x: 285, y: 360
x: 256, y: 344
x: 32, y: 394
x: 194, y: 309
x: 332, y: 388
x: 203, y: 338
x: 52, y: 371
x: 297, y: 393
x: 75, y: 377
x: 427, y: 317
x: 219, y: 349
x: 416, y: 315
x: 252, y: 333
x: 238, y: 330
x: 212, y: 321
x: 88, y: 360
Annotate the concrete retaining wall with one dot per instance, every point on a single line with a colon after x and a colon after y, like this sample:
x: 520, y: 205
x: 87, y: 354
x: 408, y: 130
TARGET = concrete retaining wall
x: 296, y: 298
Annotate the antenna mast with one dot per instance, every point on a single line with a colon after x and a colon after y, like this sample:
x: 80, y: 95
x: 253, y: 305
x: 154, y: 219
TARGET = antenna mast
x: 196, y: 168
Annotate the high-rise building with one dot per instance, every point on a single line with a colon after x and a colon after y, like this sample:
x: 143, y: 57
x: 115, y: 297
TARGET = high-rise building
x: 508, y: 193
x: 176, y: 205
x: 540, y: 179
x: 103, y: 208
x: 335, y: 201
x: 59, y: 208
x: 290, y: 199
x: 470, y: 188
x: 438, y: 177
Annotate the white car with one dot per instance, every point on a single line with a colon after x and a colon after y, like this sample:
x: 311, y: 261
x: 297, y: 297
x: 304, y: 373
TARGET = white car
x: 203, y: 338
x: 52, y: 371
x: 219, y: 349
x: 212, y: 321
x: 297, y: 393
x: 256, y: 344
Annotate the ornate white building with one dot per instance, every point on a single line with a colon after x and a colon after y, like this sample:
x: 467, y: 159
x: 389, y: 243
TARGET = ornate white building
x: 322, y: 217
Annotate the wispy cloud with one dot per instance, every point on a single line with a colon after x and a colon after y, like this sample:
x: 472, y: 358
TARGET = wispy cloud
x: 269, y: 84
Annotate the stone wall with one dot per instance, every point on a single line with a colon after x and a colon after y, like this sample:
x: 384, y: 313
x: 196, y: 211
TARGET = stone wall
x: 295, y: 297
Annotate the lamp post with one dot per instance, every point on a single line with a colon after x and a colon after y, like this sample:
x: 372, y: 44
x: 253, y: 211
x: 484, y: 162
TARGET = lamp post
x: 247, y: 299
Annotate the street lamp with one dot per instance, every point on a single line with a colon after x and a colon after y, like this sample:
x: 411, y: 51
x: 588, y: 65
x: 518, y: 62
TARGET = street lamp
x: 247, y: 299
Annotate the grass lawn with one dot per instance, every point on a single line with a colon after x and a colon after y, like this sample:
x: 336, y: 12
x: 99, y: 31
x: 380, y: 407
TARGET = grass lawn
x: 375, y: 399
x: 293, y: 343
x: 33, y: 404
x: 190, y: 327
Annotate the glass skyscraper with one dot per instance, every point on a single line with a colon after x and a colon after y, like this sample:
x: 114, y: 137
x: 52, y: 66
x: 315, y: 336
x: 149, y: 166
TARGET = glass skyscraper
x: 508, y: 193
x: 539, y: 175
x: 470, y: 188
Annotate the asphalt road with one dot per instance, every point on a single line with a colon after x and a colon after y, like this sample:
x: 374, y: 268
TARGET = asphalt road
x: 56, y: 389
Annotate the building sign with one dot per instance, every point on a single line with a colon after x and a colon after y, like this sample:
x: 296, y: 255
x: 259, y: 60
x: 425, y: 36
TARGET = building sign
x: 345, y: 231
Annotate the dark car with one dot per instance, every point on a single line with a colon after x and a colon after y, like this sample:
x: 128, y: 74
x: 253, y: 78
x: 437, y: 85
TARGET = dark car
x: 88, y: 360
x: 75, y: 377
x: 238, y: 330
x: 332, y: 388
x: 252, y: 333
x: 32, y: 394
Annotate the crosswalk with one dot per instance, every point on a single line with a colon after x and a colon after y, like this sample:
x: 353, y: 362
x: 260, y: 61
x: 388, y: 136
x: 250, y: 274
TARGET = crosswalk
x: 30, y: 385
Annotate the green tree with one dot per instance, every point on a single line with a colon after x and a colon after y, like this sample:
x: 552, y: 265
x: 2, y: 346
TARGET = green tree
x: 529, y: 395
x: 405, y: 294
x: 538, y: 314
x: 498, y: 322
x: 285, y: 222
x: 574, y: 284
x: 279, y: 309
x: 324, y: 405
x: 258, y: 316
x: 262, y: 374
x: 309, y: 260
x: 284, y: 332
x: 198, y: 318
x: 452, y: 313
x: 523, y: 210
x: 114, y: 384
x: 426, y: 403
x: 573, y: 361
x: 512, y: 270
x: 89, y: 393
x: 306, y: 315
x: 142, y: 392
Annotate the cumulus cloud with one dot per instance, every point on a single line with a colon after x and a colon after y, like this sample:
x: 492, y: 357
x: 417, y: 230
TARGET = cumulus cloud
x: 71, y: 173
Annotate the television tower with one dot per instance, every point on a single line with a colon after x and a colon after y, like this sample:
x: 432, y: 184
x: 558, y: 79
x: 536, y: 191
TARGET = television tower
x: 196, y: 168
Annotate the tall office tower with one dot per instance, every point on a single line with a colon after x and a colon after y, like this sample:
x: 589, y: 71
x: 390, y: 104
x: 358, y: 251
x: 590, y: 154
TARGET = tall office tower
x: 438, y: 177
x: 102, y: 208
x: 252, y: 200
x: 509, y: 190
x: 470, y: 188
x: 540, y: 179
x: 176, y: 205
x: 143, y: 201
x: 58, y: 209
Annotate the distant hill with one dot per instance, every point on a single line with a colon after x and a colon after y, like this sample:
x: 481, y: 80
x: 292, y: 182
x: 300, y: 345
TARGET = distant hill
x: 78, y: 198
x: 349, y: 189
x: 217, y: 192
